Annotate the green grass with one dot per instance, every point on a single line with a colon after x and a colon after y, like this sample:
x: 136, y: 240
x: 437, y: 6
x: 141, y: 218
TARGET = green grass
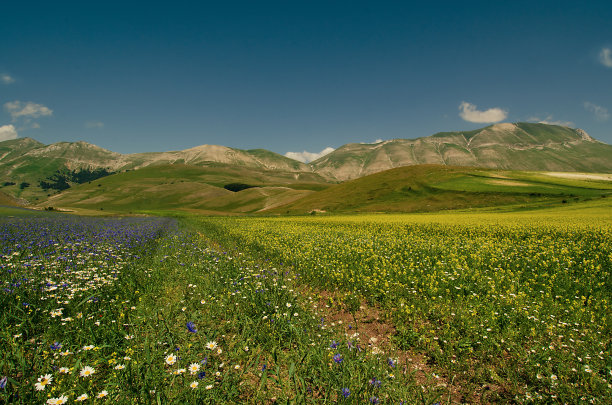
x: 528, y: 183
x: 185, y: 187
x: 435, y: 187
x: 22, y: 212
x: 510, y: 307
x: 407, y: 189
x: 125, y: 314
x: 495, y: 305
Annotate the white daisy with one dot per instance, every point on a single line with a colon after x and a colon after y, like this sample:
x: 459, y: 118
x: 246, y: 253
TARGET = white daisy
x: 60, y: 400
x: 43, y: 381
x: 87, y: 371
x: 170, y: 359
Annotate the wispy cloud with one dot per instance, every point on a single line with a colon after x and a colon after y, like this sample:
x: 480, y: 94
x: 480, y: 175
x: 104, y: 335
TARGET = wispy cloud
x: 306, y: 157
x: 6, y: 78
x: 601, y: 113
x: 94, y: 124
x: 18, y: 109
x: 551, y: 121
x: 8, y: 132
x: 471, y: 114
x: 605, y: 57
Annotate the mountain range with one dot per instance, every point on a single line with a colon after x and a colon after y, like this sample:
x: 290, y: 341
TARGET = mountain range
x: 517, y: 146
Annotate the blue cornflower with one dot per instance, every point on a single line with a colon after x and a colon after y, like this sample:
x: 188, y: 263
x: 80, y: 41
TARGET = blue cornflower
x: 334, y: 344
x: 191, y: 327
x: 391, y: 362
x: 263, y: 368
x: 3, y: 382
x: 346, y: 392
x: 338, y: 358
x: 374, y: 400
x: 202, y: 375
x: 56, y: 345
x: 376, y: 383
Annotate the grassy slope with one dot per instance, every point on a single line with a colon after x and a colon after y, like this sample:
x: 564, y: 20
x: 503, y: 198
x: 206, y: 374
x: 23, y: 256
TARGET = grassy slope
x: 436, y: 187
x: 9, y: 200
x: 188, y: 187
x: 405, y: 189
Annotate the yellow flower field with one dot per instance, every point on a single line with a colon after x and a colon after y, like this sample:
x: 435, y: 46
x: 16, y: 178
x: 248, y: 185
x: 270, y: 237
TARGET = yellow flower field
x: 520, y: 300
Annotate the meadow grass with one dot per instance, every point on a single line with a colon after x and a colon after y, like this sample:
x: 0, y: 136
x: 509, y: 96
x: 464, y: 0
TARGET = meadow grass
x: 510, y: 306
x: 478, y: 307
x: 147, y: 310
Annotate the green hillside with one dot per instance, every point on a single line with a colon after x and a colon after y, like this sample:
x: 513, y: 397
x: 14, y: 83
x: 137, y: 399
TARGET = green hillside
x: 25, y: 163
x: 187, y: 188
x: 438, y: 187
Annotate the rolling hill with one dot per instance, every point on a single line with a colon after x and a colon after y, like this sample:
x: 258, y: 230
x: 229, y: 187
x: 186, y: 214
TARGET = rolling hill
x: 418, y: 188
x: 185, y: 187
x: 423, y: 188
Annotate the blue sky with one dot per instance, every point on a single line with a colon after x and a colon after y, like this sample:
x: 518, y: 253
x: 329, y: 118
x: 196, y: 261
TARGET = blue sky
x: 298, y: 75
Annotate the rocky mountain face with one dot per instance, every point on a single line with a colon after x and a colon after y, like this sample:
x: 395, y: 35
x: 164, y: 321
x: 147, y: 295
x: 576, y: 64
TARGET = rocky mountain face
x: 520, y: 146
x: 26, y: 159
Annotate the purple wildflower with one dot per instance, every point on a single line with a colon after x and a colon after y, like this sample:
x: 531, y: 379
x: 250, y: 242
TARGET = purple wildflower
x: 338, y: 358
x: 191, y: 327
x: 346, y: 392
x: 3, y: 382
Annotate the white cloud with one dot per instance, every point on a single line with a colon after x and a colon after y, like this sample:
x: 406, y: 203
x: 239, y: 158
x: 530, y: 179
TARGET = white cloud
x: 371, y: 143
x: 94, y: 124
x: 551, y: 121
x: 307, y: 157
x: 18, y: 109
x: 6, y: 79
x: 601, y: 113
x: 7, y: 132
x: 605, y: 57
x: 471, y: 114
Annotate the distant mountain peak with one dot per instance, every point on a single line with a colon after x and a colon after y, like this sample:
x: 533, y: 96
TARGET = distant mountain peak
x: 513, y: 146
x: 517, y: 146
x: 585, y: 136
